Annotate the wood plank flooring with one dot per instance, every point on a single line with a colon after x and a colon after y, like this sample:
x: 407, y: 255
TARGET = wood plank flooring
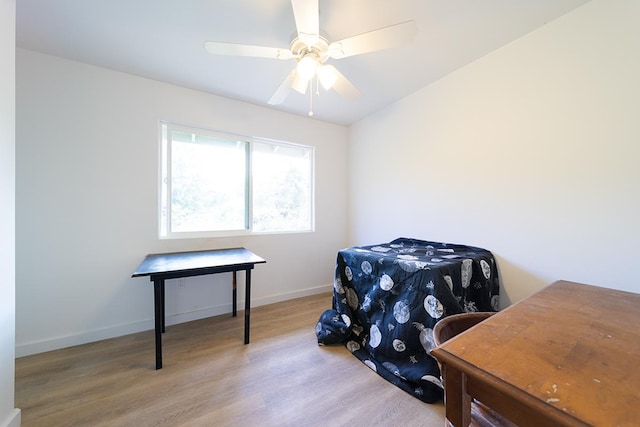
x: 210, y: 378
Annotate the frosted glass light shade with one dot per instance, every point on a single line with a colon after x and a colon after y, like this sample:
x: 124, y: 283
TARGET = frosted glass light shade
x: 307, y: 67
x: 327, y: 74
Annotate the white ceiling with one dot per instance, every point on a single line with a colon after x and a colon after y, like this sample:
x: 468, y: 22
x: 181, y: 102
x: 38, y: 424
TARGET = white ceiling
x: 163, y: 40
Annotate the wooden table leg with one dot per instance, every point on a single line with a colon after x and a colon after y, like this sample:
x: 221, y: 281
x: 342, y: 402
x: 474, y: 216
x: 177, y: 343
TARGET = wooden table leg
x: 247, y: 305
x: 457, y: 401
x: 158, y: 304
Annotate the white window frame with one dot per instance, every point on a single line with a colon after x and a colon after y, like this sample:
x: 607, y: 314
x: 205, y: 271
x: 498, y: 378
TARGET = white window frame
x: 169, y: 234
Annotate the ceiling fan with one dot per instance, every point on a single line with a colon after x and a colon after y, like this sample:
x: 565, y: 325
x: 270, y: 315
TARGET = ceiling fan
x: 311, y: 51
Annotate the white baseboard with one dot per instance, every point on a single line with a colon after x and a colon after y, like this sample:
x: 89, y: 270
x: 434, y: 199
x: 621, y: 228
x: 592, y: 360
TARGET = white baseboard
x: 13, y: 419
x: 290, y: 295
x: 145, y: 325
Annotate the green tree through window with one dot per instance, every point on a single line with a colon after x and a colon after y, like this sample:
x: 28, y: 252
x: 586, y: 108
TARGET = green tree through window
x: 213, y: 183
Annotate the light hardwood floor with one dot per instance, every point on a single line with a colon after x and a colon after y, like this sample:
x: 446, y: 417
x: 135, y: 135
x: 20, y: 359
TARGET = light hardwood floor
x: 210, y: 378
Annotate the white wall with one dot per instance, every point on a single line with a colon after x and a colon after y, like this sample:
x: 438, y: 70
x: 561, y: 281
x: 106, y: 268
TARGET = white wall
x: 531, y: 152
x: 9, y: 416
x: 87, y: 167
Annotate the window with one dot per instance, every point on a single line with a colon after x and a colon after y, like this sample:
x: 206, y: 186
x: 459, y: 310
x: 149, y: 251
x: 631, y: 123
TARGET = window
x: 213, y: 183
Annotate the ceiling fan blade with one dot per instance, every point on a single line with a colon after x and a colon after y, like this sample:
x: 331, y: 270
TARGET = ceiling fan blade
x: 220, y: 48
x: 382, y: 38
x: 306, y: 14
x: 344, y: 87
x: 283, y: 90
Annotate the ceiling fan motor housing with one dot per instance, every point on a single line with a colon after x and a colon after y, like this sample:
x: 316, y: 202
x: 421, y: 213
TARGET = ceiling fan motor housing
x: 315, y: 45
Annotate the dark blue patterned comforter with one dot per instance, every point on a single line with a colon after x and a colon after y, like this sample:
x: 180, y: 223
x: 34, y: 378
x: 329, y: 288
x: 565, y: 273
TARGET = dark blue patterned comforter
x: 388, y: 297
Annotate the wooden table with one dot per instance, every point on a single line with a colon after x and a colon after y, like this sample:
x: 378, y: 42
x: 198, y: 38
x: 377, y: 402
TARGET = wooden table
x: 568, y: 355
x: 160, y: 267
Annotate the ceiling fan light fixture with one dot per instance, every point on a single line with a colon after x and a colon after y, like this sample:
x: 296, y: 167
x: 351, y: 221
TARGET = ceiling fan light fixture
x: 299, y: 84
x: 327, y: 74
x: 307, y: 67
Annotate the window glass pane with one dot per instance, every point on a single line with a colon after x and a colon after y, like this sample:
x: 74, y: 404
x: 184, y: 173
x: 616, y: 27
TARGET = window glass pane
x: 208, y: 183
x: 282, y: 187
x: 213, y: 183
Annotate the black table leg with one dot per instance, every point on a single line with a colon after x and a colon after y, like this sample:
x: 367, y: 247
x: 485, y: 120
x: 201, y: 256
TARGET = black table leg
x: 158, y: 303
x: 247, y: 305
x: 235, y: 295
x: 164, y: 329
